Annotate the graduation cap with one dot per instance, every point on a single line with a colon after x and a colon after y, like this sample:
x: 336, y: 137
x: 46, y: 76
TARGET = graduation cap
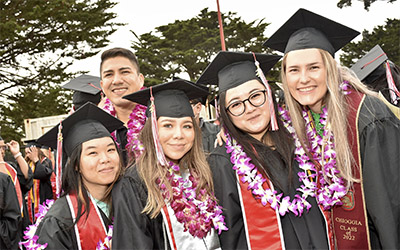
x: 306, y: 29
x: 231, y: 69
x: 87, y: 123
x: 171, y: 99
x: 31, y: 143
x: 86, y: 89
x: 370, y: 66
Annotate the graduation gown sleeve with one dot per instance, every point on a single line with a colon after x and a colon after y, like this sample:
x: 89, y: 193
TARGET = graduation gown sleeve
x: 225, y: 190
x: 132, y: 228
x: 10, y: 216
x: 379, y: 132
x: 56, y: 228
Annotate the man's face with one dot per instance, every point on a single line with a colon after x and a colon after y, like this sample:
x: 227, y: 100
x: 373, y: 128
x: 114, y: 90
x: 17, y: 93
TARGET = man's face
x: 119, y: 77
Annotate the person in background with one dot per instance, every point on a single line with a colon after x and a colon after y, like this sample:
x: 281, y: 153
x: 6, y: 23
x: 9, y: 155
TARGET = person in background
x: 344, y: 134
x: 10, y: 213
x: 209, y: 130
x: 42, y: 170
x: 383, y: 76
x: 165, y: 200
x: 21, y: 175
x: 86, y: 89
x: 80, y: 218
x: 120, y: 76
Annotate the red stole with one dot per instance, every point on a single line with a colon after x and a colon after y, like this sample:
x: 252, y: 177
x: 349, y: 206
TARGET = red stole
x: 170, y: 232
x: 262, y: 223
x: 350, y: 221
x: 33, y: 196
x: 13, y: 174
x: 89, y: 231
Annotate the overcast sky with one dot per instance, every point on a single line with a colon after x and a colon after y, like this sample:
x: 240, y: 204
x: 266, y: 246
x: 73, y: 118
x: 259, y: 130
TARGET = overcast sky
x: 144, y: 16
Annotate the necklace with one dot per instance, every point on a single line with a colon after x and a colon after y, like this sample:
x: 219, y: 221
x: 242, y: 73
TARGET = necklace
x: 137, y: 119
x: 197, y: 212
x: 328, y: 187
x: 247, y: 172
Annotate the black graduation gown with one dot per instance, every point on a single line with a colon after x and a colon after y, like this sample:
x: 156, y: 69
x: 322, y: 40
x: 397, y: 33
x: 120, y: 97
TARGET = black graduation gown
x: 305, y: 232
x: 10, y: 215
x: 209, y: 133
x: 122, y: 140
x: 43, y: 171
x: 25, y: 185
x: 57, y: 229
x: 132, y: 228
x: 379, y: 138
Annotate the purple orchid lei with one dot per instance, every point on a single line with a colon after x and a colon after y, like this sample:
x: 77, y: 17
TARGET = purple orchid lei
x: 30, y: 238
x: 106, y: 245
x: 247, y: 172
x: 198, y: 213
x: 331, y: 187
x: 137, y: 119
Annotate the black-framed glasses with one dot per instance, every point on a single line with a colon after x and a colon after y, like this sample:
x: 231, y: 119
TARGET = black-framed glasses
x: 256, y: 99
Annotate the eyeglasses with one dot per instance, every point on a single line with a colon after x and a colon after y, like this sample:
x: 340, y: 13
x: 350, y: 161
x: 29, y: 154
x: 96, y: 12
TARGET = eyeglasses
x: 256, y: 99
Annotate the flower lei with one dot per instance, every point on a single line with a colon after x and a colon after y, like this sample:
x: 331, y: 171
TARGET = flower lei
x: 247, y: 172
x: 198, y: 213
x: 30, y: 242
x: 137, y: 119
x: 331, y: 187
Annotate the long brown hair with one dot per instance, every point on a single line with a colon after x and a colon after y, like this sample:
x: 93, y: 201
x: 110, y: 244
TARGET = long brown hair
x: 150, y: 171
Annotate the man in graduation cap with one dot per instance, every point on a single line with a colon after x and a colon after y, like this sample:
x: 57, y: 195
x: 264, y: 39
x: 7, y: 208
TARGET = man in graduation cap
x: 355, y: 133
x: 86, y: 89
x: 382, y: 75
x: 120, y: 76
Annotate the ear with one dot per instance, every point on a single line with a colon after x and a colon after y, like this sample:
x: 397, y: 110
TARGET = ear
x: 141, y: 79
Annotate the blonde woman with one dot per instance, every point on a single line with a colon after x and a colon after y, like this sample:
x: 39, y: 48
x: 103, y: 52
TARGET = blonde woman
x: 345, y: 136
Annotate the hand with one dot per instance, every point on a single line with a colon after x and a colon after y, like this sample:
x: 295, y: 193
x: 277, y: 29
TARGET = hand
x: 33, y: 153
x: 14, y: 147
x: 220, y: 138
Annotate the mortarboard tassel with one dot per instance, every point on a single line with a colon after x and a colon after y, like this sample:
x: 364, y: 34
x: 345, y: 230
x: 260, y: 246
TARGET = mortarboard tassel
x: 259, y: 72
x: 59, y: 160
x: 394, y: 91
x: 154, y: 128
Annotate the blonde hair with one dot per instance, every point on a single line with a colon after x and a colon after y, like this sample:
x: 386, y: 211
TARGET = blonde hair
x: 150, y: 171
x: 337, y: 112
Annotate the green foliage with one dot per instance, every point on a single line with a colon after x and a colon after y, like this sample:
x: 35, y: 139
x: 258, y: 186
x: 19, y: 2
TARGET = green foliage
x: 367, y: 3
x: 387, y: 36
x: 187, y: 46
x: 39, y: 40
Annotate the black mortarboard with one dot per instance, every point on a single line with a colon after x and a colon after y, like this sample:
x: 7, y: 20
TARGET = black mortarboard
x: 371, y: 65
x: 231, y: 69
x: 86, y: 89
x: 87, y: 123
x: 306, y: 29
x: 171, y: 99
x: 30, y: 143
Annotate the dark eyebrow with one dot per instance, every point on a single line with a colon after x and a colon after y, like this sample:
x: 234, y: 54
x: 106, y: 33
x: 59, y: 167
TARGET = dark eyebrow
x: 250, y: 92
